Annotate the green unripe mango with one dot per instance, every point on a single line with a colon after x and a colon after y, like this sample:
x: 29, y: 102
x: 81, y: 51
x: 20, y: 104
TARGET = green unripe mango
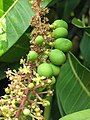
x: 32, y: 56
x: 57, y: 57
x: 63, y: 44
x: 56, y: 69
x: 60, y: 23
x: 45, y: 70
x: 60, y: 32
x: 39, y: 40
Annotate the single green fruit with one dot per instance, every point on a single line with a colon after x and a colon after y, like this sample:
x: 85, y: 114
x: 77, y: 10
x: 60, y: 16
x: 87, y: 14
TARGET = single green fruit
x: 63, y: 44
x: 57, y: 57
x: 60, y: 23
x: 45, y: 70
x: 32, y: 56
x: 56, y: 69
x: 39, y: 40
x: 60, y: 32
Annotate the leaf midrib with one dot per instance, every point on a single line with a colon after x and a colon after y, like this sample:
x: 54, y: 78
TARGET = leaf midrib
x: 76, y: 75
x: 9, y: 9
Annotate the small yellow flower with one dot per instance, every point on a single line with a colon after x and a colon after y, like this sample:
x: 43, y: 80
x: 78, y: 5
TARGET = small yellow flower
x: 22, y: 61
x: 7, y: 90
x: 38, y: 79
x: 25, y: 69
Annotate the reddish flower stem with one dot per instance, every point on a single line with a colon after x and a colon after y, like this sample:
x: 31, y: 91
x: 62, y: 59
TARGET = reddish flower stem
x: 25, y: 98
x: 22, y: 103
x: 38, y: 2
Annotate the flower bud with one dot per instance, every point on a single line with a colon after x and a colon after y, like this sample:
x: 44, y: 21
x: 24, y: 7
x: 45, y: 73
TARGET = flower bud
x: 31, y: 85
x: 26, y: 112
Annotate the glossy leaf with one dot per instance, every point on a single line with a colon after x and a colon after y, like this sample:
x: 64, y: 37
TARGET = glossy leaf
x: 73, y: 86
x: 78, y: 23
x: 81, y: 115
x: 85, y: 48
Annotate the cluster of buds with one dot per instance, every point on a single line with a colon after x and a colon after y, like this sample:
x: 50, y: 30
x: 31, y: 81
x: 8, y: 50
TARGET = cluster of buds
x: 25, y: 96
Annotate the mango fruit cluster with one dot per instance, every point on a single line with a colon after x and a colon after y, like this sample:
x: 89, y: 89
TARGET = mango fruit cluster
x: 57, y: 53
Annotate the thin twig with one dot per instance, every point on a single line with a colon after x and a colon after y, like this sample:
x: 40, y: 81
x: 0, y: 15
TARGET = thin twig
x: 38, y: 2
x: 22, y: 103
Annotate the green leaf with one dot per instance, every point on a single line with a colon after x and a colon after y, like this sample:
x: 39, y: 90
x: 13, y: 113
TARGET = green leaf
x: 1, y: 8
x: 7, y: 4
x: 45, y: 2
x: 78, y: 23
x: 18, y: 19
x: 19, y: 50
x: 73, y: 86
x: 85, y: 48
x: 81, y: 115
x: 70, y: 5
